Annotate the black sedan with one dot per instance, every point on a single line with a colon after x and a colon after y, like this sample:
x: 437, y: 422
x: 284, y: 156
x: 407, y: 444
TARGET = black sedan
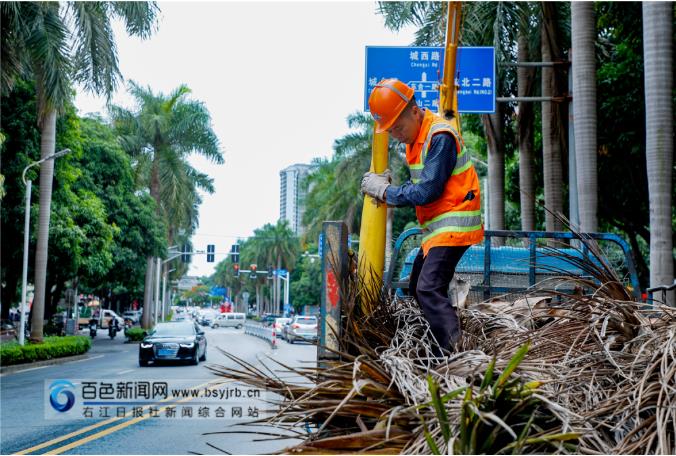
x: 176, y: 340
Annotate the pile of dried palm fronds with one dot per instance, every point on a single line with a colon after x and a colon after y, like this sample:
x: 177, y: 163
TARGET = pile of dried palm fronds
x: 590, y: 372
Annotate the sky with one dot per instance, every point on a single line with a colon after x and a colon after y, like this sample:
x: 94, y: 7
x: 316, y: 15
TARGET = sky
x: 279, y: 80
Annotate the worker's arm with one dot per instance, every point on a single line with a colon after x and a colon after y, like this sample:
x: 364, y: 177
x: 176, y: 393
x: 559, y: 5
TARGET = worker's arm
x: 439, y: 165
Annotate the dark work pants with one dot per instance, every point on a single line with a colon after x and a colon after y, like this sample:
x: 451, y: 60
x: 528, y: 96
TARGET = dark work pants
x: 430, y: 278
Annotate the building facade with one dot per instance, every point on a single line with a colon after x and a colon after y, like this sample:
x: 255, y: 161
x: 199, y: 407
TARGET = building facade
x: 292, y: 195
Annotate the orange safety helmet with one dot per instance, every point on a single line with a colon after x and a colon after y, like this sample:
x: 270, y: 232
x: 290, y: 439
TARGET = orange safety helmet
x: 387, y: 101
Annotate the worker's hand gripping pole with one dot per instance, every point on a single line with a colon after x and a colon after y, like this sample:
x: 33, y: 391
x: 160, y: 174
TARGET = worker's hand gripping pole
x: 373, y: 221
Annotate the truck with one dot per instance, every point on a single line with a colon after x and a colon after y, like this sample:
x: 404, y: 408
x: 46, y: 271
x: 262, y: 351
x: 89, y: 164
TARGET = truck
x: 93, y: 309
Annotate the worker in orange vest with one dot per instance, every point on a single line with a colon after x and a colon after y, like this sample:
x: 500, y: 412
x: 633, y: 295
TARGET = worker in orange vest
x: 444, y: 188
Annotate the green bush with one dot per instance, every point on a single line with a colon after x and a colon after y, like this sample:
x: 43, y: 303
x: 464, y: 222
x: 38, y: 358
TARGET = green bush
x: 135, y: 334
x: 52, y: 347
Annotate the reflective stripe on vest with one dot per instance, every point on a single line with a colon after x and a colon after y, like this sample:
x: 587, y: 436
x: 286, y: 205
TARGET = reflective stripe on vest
x: 416, y: 171
x: 464, y: 159
x: 455, y: 222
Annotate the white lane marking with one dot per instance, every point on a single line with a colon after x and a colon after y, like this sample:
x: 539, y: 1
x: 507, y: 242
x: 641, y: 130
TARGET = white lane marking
x: 31, y: 369
x: 86, y: 359
x: 49, y: 365
x: 124, y: 371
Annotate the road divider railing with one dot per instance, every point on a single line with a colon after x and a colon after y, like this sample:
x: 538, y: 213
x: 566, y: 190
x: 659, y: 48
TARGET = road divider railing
x: 264, y: 332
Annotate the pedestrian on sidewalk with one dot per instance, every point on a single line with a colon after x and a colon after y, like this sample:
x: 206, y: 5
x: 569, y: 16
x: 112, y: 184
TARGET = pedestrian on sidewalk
x: 444, y: 189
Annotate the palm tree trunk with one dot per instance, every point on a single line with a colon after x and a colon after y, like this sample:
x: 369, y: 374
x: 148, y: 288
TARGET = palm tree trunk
x: 47, y: 144
x: 658, y: 63
x: 496, y: 171
x: 148, y: 292
x: 551, y: 146
x: 525, y: 77
x: 146, y: 319
x: 584, y: 106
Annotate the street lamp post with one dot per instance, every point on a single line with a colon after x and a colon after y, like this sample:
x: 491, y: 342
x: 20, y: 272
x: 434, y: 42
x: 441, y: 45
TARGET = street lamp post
x: 26, y: 229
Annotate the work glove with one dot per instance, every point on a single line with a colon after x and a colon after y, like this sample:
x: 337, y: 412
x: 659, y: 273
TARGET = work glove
x: 375, y: 184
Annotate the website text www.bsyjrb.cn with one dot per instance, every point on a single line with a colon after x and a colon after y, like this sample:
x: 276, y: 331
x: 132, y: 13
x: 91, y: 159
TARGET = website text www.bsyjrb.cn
x: 96, y: 399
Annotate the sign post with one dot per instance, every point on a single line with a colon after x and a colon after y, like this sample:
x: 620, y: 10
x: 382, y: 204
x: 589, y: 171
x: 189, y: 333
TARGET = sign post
x: 334, y: 271
x: 421, y: 68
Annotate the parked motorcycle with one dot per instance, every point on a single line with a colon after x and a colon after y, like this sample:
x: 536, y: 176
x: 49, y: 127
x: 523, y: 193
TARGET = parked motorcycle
x: 93, y: 327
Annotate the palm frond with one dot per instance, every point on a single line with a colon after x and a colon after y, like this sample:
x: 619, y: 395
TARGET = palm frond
x: 95, y: 60
x: 550, y: 373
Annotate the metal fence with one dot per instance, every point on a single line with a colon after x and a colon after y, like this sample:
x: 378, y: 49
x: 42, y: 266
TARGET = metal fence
x: 513, y: 262
x: 263, y: 332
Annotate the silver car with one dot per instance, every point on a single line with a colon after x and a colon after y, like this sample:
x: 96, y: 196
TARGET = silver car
x: 302, y: 327
x: 230, y: 319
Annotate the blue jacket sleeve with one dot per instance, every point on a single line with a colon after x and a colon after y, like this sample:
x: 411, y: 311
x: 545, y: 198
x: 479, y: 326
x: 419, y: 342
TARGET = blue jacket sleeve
x: 439, y: 164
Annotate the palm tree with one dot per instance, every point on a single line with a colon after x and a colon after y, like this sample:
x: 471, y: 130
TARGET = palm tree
x: 352, y: 158
x: 525, y: 119
x: 353, y: 153
x: 36, y: 40
x: 160, y: 135
x: 583, y: 36
x: 494, y: 23
x: 552, y: 130
x: 276, y: 245
x: 658, y: 63
x: 496, y: 170
x: 484, y: 23
x: 320, y: 197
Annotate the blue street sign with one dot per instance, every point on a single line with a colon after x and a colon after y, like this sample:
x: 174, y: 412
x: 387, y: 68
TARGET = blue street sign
x: 421, y: 67
x: 218, y: 291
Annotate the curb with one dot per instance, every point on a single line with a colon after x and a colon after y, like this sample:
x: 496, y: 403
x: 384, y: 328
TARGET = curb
x: 47, y: 362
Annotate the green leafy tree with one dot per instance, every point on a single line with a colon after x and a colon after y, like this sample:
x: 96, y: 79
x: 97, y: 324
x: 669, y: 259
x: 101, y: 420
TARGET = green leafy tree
x: 36, y: 40
x: 160, y: 134
x: 621, y: 141
x: 20, y: 148
x: 306, y: 283
x: 351, y: 159
x: 276, y: 246
x: 106, y: 170
x: 197, y: 295
x: 98, y: 223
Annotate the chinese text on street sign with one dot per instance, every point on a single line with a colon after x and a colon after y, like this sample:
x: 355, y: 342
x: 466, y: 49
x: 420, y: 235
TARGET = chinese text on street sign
x: 421, y: 68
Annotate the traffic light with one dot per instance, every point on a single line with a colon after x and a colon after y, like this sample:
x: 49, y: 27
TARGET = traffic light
x: 252, y: 268
x: 185, y: 257
x: 211, y: 248
x: 270, y: 272
x: 236, y: 266
x: 234, y: 252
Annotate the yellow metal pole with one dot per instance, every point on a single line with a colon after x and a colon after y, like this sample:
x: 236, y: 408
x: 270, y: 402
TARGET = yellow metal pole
x: 448, y: 90
x: 371, y: 258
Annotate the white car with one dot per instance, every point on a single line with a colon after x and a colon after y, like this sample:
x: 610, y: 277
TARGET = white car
x: 107, y: 316
x: 302, y: 327
x: 133, y: 315
x: 278, y: 326
x: 229, y: 319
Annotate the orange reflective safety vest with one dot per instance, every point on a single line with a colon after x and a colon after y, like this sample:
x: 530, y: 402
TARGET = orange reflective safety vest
x: 451, y: 220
